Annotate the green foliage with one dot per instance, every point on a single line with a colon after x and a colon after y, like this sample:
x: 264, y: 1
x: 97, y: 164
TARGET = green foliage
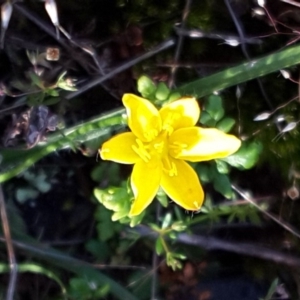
x: 222, y: 185
x: 108, y: 170
x: 226, y: 124
x: 118, y: 199
x: 214, y: 107
x: 230, y: 211
x: 246, y: 157
x: 37, y: 269
x: 162, y: 197
x: 168, y: 231
x: 158, y: 93
x: 222, y: 166
x: 99, y: 249
x: 162, y: 91
x: 217, y: 174
x: 146, y: 87
x: 81, y: 288
x: 106, y: 228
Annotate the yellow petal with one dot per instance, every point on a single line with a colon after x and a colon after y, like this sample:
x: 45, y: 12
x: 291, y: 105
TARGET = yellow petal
x: 145, y: 180
x: 183, y: 188
x: 119, y: 149
x: 143, y: 117
x: 181, y: 113
x: 201, y: 144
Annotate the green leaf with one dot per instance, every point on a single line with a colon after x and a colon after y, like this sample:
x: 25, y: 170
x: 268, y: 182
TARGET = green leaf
x: 162, y: 91
x: 205, y: 172
x: 243, y: 72
x: 36, y: 80
x: 119, y: 214
x: 81, y: 288
x: 159, y: 246
x: 162, y: 197
x: 222, y: 185
x: 206, y: 119
x: 137, y: 219
x: 51, y: 100
x: 166, y: 221
x: 174, y: 96
x: 99, y: 249
x: 173, y: 262
x: 52, y: 92
x: 246, y: 157
x: 214, y: 106
x: 222, y: 166
x: 179, y: 226
x: 225, y: 124
x: 105, y: 226
x: 146, y: 87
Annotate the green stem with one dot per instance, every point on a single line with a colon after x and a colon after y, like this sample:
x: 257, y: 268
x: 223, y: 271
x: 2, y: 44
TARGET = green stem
x: 14, y: 161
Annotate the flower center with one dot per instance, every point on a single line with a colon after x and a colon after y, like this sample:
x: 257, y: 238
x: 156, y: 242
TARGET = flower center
x: 157, y: 149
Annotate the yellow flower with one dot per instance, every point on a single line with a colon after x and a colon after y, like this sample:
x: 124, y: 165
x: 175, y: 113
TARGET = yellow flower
x: 159, y: 143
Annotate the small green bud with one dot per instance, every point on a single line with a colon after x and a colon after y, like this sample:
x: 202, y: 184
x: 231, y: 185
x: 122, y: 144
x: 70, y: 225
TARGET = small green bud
x: 146, y: 87
x: 162, y: 91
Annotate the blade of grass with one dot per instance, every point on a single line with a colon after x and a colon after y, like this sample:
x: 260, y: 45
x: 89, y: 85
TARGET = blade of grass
x: 10, y: 249
x: 14, y: 161
x: 34, y: 268
x: 66, y: 262
x: 241, y: 73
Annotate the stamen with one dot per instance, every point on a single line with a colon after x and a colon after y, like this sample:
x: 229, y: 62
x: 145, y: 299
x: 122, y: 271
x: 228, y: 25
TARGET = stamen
x: 169, y: 121
x: 169, y: 167
x: 141, y: 151
x: 181, y: 145
x: 168, y: 129
x: 151, y: 134
x: 177, y: 147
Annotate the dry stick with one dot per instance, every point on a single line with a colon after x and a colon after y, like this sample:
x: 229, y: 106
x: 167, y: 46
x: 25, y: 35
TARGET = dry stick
x: 155, y: 259
x: 198, y: 33
x: 10, y: 250
x: 180, y: 43
x: 154, y: 276
x: 212, y: 243
x: 165, y: 45
x: 271, y: 216
x: 35, y: 19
